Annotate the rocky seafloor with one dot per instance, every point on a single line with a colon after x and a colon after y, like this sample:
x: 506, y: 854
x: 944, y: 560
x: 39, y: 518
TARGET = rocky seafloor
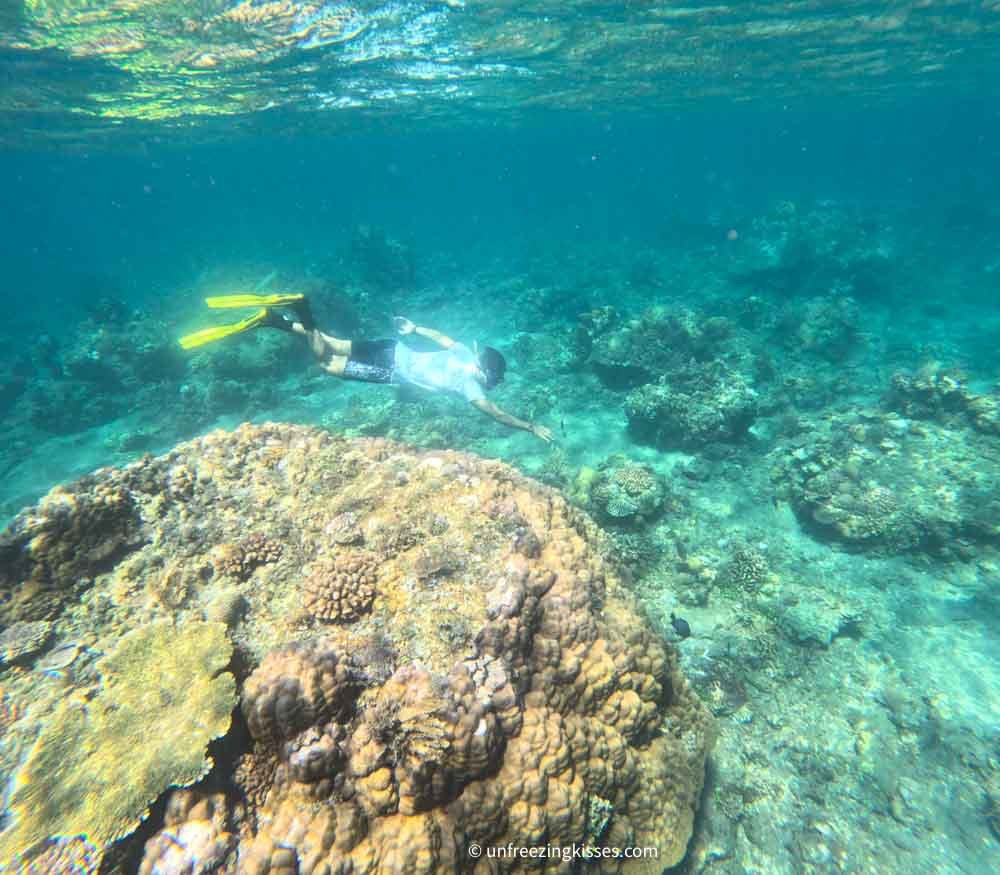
x: 790, y: 440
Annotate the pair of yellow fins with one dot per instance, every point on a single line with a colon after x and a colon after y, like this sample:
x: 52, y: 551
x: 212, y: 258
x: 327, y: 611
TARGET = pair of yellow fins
x: 232, y: 302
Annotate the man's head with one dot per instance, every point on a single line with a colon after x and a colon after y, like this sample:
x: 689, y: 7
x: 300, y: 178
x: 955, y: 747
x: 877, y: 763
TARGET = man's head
x: 492, y: 364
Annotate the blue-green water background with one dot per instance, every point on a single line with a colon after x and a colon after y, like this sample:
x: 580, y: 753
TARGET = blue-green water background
x: 143, y: 220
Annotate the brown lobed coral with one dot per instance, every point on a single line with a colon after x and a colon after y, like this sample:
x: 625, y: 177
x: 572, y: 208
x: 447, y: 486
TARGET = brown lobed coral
x: 296, y: 687
x: 195, y: 838
x: 518, y: 698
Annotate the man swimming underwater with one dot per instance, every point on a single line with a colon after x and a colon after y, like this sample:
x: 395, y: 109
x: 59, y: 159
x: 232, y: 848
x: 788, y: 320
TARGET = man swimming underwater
x: 454, y: 368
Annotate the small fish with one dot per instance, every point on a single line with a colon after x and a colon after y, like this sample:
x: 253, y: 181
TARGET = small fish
x: 562, y: 425
x: 681, y: 626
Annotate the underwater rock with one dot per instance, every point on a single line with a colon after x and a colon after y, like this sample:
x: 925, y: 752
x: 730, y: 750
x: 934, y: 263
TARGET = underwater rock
x: 493, y: 706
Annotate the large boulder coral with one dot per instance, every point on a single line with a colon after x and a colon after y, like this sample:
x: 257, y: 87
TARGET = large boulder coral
x: 512, y: 696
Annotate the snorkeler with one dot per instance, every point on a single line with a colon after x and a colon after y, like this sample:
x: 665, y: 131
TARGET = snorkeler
x: 454, y: 368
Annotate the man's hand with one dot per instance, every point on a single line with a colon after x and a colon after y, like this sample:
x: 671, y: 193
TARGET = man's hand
x: 490, y: 409
x: 403, y: 325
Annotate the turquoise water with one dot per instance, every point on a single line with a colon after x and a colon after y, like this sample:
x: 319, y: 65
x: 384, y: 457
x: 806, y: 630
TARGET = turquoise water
x: 752, y: 250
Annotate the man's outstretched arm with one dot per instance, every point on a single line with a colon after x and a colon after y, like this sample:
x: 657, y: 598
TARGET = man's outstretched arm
x: 405, y: 326
x: 490, y: 409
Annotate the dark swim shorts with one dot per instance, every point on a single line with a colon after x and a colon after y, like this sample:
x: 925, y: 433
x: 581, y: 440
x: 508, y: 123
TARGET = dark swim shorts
x: 372, y: 361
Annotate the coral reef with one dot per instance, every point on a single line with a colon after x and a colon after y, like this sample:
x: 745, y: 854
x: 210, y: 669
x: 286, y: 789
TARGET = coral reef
x: 64, y: 856
x: 296, y: 687
x: 818, y: 249
x: 943, y: 395
x: 828, y: 326
x: 693, y: 406
x: 341, y: 588
x: 242, y: 559
x: 661, y: 340
x: 112, y: 357
x: 515, y: 696
x: 60, y: 543
x: 746, y: 570
x: 591, y: 325
x: 621, y: 491
x: 98, y: 764
x: 66, y: 407
x: 383, y: 262
x: 23, y: 639
x: 875, y: 482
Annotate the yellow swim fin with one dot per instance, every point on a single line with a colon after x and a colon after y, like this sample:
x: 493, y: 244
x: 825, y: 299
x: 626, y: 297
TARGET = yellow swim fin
x: 217, y: 332
x: 228, y: 302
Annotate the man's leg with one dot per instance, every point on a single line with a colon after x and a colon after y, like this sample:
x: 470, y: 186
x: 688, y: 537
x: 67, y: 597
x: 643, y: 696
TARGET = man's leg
x: 335, y: 365
x: 331, y: 352
x: 302, y: 323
